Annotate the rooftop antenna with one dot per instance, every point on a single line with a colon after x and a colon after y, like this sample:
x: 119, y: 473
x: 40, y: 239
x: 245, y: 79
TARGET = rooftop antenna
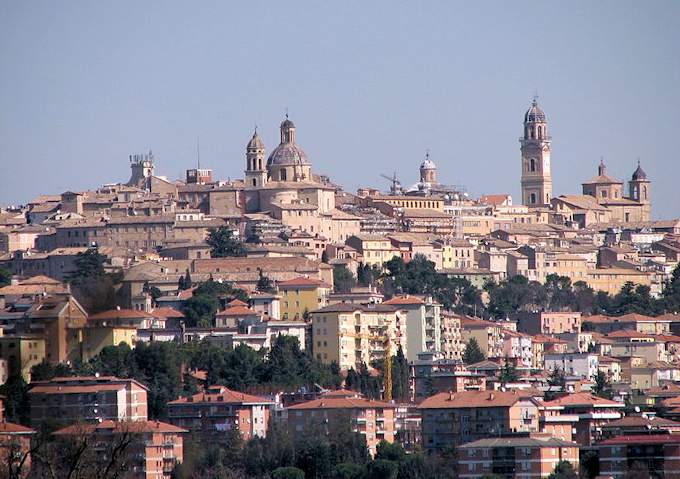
x: 198, y: 151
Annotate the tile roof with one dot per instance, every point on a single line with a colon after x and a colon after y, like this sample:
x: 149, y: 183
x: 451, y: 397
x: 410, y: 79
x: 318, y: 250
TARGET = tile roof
x: 472, y: 399
x: 641, y: 421
x: 120, y: 314
x: 494, y: 442
x: 301, y: 282
x: 11, y: 428
x: 224, y: 396
x: 404, y: 300
x: 584, y: 399
x: 166, y: 312
x: 642, y: 439
x: 135, y: 427
x: 342, y: 403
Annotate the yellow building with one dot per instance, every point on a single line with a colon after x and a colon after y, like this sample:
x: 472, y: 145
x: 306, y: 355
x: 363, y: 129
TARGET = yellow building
x: 351, y: 334
x: 374, y: 249
x: 300, y: 296
x: 458, y: 254
x: 22, y: 352
x: 96, y: 338
x: 612, y: 280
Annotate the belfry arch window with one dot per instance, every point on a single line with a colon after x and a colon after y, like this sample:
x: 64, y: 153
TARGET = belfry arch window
x: 644, y: 192
x: 254, y: 182
x: 540, y: 132
x: 532, y: 164
x: 532, y: 198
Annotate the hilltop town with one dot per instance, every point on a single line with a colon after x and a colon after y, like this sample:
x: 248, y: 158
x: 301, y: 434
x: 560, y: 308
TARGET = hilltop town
x: 279, y: 326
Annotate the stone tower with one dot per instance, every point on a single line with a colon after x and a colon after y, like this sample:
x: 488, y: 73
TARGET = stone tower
x: 256, y: 172
x: 639, y: 188
x: 141, y: 170
x: 428, y: 171
x: 536, y: 178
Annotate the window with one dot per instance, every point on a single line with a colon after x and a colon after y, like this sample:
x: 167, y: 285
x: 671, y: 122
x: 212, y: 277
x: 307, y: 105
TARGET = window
x: 532, y: 165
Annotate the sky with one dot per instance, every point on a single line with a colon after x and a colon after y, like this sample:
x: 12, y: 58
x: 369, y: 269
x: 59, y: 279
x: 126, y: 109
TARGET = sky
x: 370, y: 86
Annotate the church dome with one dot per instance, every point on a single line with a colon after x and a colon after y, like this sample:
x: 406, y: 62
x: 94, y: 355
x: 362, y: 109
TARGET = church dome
x: 639, y: 173
x: 288, y: 154
x: 255, y: 142
x: 428, y: 165
x: 534, y: 113
x: 287, y: 123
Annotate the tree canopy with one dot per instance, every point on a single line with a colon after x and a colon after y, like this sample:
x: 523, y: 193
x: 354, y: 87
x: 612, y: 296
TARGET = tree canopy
x: 473, y: 353
x: 223, y: 243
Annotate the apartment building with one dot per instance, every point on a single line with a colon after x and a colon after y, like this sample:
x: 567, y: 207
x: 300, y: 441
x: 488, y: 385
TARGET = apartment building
x: 453, y: 419
x: 22, y: 352
x: 659, y: 455
x: 583, y: 365
x: 487, y: 333
x: 154, y: 450
x: 549, y: 322
x: 375, y: 420
x: 516, y: 457
x: 15, y: 445
x: 87, y: 398
x: 352, y: 334
x: 452, y: 346
x: 423, y: 324
x: 593, y: 412
x: 300, y: 296
x: 219, y: 409
x: 374, y: 249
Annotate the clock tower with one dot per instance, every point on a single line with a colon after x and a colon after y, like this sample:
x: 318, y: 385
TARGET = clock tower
x: 535, y: 147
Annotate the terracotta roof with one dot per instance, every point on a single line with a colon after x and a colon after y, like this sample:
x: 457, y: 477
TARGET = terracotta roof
x: 238, y: 311
x: 351, y: 307
x: 11, y: 428
x: 166, y: 313
x: 303, y: 282
x: 642, y: 439
x: 472, y: 399
x: 494, y: 442
x: 640, y: 421
x: 628, y: 334
x: 544, y: 338
x: 494, y: 200
x: 40, y: 279
x: 404, y: 300
x: 224, y: 396
x: 584, y: 399
x: 74, y: 388
x: 342, y: 403
x: 237, y: 302
x: 341, y: 393
x: 120, y: 314
x: 135, y: 427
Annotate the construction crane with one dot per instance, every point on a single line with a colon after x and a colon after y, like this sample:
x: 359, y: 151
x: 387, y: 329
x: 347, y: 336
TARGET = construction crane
x: 395, y: 187
x: 387, y: 382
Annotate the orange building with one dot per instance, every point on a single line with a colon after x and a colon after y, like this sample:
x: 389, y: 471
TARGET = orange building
x: 372, y: 419
x: 220, y: 409
x: 88, y: 398
x: 528, y: 457
x: 659, y: 453
x: 153, y: 453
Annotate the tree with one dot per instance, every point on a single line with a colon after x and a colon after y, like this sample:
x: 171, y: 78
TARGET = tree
x: 671, y: 292
x: 288, y: 473
x: 584, y: 297
x: 264, y: 284
x: 557, y: 383
x: 382, y: 469
x: 223, y: 244
x: 563, y: 470
x: 508, y: 372
x: 92, y: 286
x: 188, y: 283
x: 343, y: 279
x: 15, y: 391
x: 401, y: 374
x: 324, y: 257
x: 5, y: 277
x: 473, y: 353
x: 560, y: 294
x: 602, y: 386
x: 46, y: 371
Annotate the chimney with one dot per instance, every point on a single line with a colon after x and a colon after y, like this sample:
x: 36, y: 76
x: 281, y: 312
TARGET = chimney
x: 452, y: 396
x: 491, y: 396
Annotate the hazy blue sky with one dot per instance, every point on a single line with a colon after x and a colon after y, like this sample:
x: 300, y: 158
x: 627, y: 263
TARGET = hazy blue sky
x: 370, y: 86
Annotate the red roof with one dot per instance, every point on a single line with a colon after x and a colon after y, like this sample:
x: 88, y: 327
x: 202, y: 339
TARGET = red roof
x: 11, y: 428
x: 166, y: 313
x: 583, y: 399
x: 225, y: 396
x: 342, y: 403
x: 404, y: 300
x: 642, y: 439
x: 302, y: 282
x: 473, y: 399
x: 135, y: 427
x: 238, y: 311
x: 237, y: 302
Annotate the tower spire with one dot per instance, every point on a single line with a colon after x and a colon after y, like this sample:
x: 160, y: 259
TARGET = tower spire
x: 198, y: 151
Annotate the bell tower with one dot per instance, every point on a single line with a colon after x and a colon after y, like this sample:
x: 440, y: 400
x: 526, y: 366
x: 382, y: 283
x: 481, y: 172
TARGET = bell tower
x: 640, y: 190
x: 256, y: 174
x: 535, y: 147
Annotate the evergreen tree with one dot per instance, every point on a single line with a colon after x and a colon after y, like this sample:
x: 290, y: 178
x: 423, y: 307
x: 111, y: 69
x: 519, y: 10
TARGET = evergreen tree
x: 5, y: 277
x: 188, y: 283
x: 324, y: 257
x: 264, y: 284
x: 508, y: 372
x: 92, y: 286
x: 557, y: 383
x: 473, y: 353
x: 671, y: 292
x: 563, y: 470
x: 181, y: 284
x: 223, y: 243
x: 343, y: 279
x: 602, y: 386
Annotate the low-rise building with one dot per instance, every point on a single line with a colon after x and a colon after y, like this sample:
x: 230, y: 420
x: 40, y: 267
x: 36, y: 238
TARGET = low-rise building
x: 452, y: 419
x: 584, y: 365
x: 152, y: 452
x: 219, y: 409
x: 372, y: 419
x: 300, y: 296
x: 87, y: 398
x: 549, y: 322
x: 515, y: 457
x: 658, y: 455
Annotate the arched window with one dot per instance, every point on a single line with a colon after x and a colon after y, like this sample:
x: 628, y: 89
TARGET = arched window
x: 254, y: 182
x: 644, y: 192
x: 283, y: 175
x: 532, y: 165
x: 532, y: 199
x: 540, y: 132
